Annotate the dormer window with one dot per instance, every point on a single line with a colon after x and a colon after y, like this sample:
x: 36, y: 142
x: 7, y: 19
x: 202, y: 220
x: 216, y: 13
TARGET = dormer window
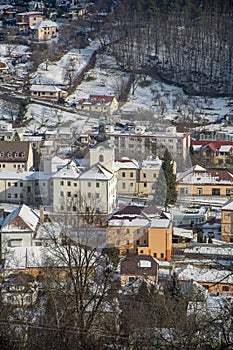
x: 16, y: 154
x: 101, y: 158
x: 22, y: 154
x: 8, y: 154
x: 1, y: 154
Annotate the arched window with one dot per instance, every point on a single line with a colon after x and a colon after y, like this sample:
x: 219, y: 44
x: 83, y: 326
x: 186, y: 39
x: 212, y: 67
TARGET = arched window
x: 101, y: 158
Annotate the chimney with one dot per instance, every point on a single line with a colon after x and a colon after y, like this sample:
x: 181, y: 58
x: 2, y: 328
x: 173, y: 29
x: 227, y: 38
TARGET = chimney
x: 41, y: 214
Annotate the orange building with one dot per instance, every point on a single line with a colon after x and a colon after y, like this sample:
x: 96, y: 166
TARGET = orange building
x: 227, y: 222
x: 142, y: 230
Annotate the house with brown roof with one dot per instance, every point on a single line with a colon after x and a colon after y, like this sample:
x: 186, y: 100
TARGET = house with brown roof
x: 141, y: 230
x: 19, y: 289
x: 16, y: 155
x: 215, y: 152
x: 135, y: 266
x: 98, y: 104
x: 200, y: 182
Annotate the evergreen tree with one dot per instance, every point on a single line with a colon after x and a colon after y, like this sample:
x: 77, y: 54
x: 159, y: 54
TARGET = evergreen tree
x: 160, y: 190
x: 170, y: 177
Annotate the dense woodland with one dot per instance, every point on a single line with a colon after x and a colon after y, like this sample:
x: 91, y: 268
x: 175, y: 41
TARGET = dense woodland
x: 186, y: 42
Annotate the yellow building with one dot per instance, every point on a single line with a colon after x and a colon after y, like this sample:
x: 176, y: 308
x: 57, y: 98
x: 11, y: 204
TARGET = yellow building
x: 16, y: 155
x: 197, y: 181
x: 141, y: 230
x: 44, y: 30
x: 98, y: 104
x: 227, y: 222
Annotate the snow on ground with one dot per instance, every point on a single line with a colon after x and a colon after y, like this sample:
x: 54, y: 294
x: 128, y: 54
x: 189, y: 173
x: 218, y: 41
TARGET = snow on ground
x: 163, y: 100
x: 56, y: 71
x: 105, y: 79
x: 38, y: 116
x: 157, y: 96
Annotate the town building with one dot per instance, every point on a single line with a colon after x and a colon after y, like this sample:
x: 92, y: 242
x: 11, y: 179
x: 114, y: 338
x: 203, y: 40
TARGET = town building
x: 44, y: 30
x: 135, y: 142
x: 198, y: 182
x: 227, y: 222
x: 98, y: 104
x: 27, y: 19
x: 141, y: 230
x: 45, y: 91
x: 134, y: 266
x: 16, y: 155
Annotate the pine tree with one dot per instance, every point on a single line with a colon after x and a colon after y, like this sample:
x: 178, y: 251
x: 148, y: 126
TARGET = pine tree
x: 170, y: 177
x: 160, y: 190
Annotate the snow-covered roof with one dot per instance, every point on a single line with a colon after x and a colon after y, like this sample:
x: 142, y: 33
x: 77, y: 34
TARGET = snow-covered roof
x: 202, y: 176
x: 96, y: 172
x: 26, y: 214
x: 126, y: 163
x: 228, y: 205
x: 181, y: 232
x: 45, y: 88
x: 44, y: 24
x: 190, y: 272
x: 207, y: 249
x: 69, y: 171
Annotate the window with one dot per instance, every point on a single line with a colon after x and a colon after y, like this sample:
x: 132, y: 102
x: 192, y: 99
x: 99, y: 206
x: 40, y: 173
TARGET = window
x: 131, y: 174
x: 183, y: 190
x: 62, y: 183
x: 228, y: 191
x: 155, y: 175
x: 101, y: 158
x: 131, y: 184
x: 123, y: 185
x: 141, y: 251
x: 16, y: 184
x: 74, y: 208
x: 9, y: 195
x: 61, y: 194
x: 145, y: 184
x: 14, y: 165
x: 137, y: 242
x: 97, y: 184
x: 89, y: 195
x: 68, y: 183
x: 9, y: 184
x: 199, y: 191
x: 97, y: 195
x: 215, y: 191
x: 68, y: 194
x: 123, y: 174
x: 225, y: 288
x: 75, y: 184
x: 144, y: 175
x: 89, y: 184
x: 155, y: 255
x: 16, y: 195
x: 3, y: 165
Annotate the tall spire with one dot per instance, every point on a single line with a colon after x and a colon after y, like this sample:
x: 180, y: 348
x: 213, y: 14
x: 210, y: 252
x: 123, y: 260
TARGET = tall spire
x: 102, y: 136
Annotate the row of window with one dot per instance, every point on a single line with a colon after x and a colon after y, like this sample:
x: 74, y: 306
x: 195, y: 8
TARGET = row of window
x: 15, y: 166
x: 131, y: 174
x: 215, y: 191
x: 69, y: 183
x: 12, y: 154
